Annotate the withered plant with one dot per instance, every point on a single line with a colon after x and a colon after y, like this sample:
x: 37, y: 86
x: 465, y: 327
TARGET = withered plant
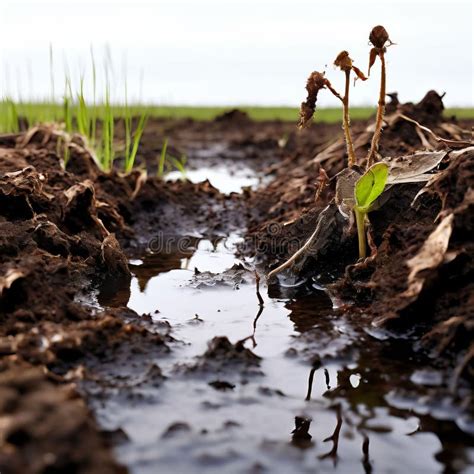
x: 357, y: 193
x: 378, y: 38
x: 317, y: 81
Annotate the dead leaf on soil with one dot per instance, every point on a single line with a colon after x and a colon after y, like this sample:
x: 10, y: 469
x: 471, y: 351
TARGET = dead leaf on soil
x: 9, y: 278
x: 433, y: 178
x: 141, y: 180
x: 26, y: 180
x: 431, y: 255
x: 327, y: 226
x: 332, y: 150
x: 413, y: 168
x: 79, y: 189
x: 85, y: 192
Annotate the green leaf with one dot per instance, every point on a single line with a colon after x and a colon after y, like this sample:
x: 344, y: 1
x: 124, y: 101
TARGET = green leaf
x: 162, y: 159
x: 370, y: 186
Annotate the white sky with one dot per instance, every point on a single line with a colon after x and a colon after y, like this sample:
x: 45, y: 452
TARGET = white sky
x: 208, y: 52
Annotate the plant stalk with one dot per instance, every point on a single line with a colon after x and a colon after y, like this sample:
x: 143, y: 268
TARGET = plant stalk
x: 347, y: 123
x: 360, y: 221
x: 371, y: 157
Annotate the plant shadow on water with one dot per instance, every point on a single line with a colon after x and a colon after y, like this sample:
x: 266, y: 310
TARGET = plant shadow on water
x: 317, y: 399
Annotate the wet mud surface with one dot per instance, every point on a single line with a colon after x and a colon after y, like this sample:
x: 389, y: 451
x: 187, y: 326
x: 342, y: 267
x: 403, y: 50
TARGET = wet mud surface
x: 130, y: 307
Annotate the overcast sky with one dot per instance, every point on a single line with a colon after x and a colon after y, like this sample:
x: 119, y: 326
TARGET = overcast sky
x: 208, y: 52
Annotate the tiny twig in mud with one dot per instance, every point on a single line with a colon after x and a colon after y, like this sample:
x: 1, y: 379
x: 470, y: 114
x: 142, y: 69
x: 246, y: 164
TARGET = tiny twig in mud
x: 452, y: 143
x: 378, y: 37
x: 257, y: 284
x: 261, y: 305
x: 364, y: 264
x: 322, y: 183
x: 301, y: 251
x: 141, y: 180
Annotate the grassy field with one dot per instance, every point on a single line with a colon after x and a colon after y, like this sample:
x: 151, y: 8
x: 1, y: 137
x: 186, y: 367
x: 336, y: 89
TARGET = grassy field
x: 79, y: 116
x: 290, y: 114
x: 47, y: 112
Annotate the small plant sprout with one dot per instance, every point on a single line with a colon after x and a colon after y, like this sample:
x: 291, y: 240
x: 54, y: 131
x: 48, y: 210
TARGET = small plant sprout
x: 179, y: 164
x: 161, y: 160
x: 367, y: 190
x: 318, y: 81
x: 379, y: 38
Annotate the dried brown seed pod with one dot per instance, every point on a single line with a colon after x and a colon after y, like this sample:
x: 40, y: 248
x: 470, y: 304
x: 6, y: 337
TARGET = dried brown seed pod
x: 316, y: 81
x: 378, y: 36
x: 343, y: 61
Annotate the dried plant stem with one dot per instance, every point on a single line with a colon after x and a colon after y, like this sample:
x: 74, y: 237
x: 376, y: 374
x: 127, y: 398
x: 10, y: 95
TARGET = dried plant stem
x: 295, y: 257
x: 452, y: 143
x: 345, y: 118
x: 371, y: 157
x: 301, y: 251
x: 347, y: 123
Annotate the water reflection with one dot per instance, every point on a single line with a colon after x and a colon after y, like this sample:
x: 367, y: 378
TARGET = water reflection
x: 300, y: 435
x: 334, y: 438
x: 315, y: 366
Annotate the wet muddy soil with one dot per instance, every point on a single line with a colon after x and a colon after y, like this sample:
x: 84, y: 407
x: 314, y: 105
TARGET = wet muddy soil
x: 138, y: 332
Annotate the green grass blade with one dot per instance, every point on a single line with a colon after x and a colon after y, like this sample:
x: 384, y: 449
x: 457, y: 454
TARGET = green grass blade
x: 161, y: 162
x: 94, y: 98
x: 136, y: 141
x: 179, y: 164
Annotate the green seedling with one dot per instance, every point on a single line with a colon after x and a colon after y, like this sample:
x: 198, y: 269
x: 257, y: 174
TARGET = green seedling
x: 107, y: 154
x: 367, y: 190
x: 94, y: 99
x: 161, y: 161
x: 127, y: 120
x: 131, y: 145
x: 51, y: 72
x: 82, y: 115
x: 166, y: 160
x: 378, y: 38
x: 131, y: 154
x: 67, y: 111
x: 179, y: 164
x: 67, y: 108
x: 318, y: 81
x: 9, y: 119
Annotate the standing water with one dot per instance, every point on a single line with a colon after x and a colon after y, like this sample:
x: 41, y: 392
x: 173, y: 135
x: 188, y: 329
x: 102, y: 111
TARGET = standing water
x: 318, y: 395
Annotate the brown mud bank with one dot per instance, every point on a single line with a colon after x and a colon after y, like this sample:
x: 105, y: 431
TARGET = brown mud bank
x: 59, y: 231
x: 420, y: 271
x: 79, y: 247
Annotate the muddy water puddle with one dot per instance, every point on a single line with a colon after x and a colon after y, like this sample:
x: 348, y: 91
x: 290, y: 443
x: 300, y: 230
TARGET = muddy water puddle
x: 313, y: 402
x: 316, y: 394
x: 218, y: 176
x: 223, y: 167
